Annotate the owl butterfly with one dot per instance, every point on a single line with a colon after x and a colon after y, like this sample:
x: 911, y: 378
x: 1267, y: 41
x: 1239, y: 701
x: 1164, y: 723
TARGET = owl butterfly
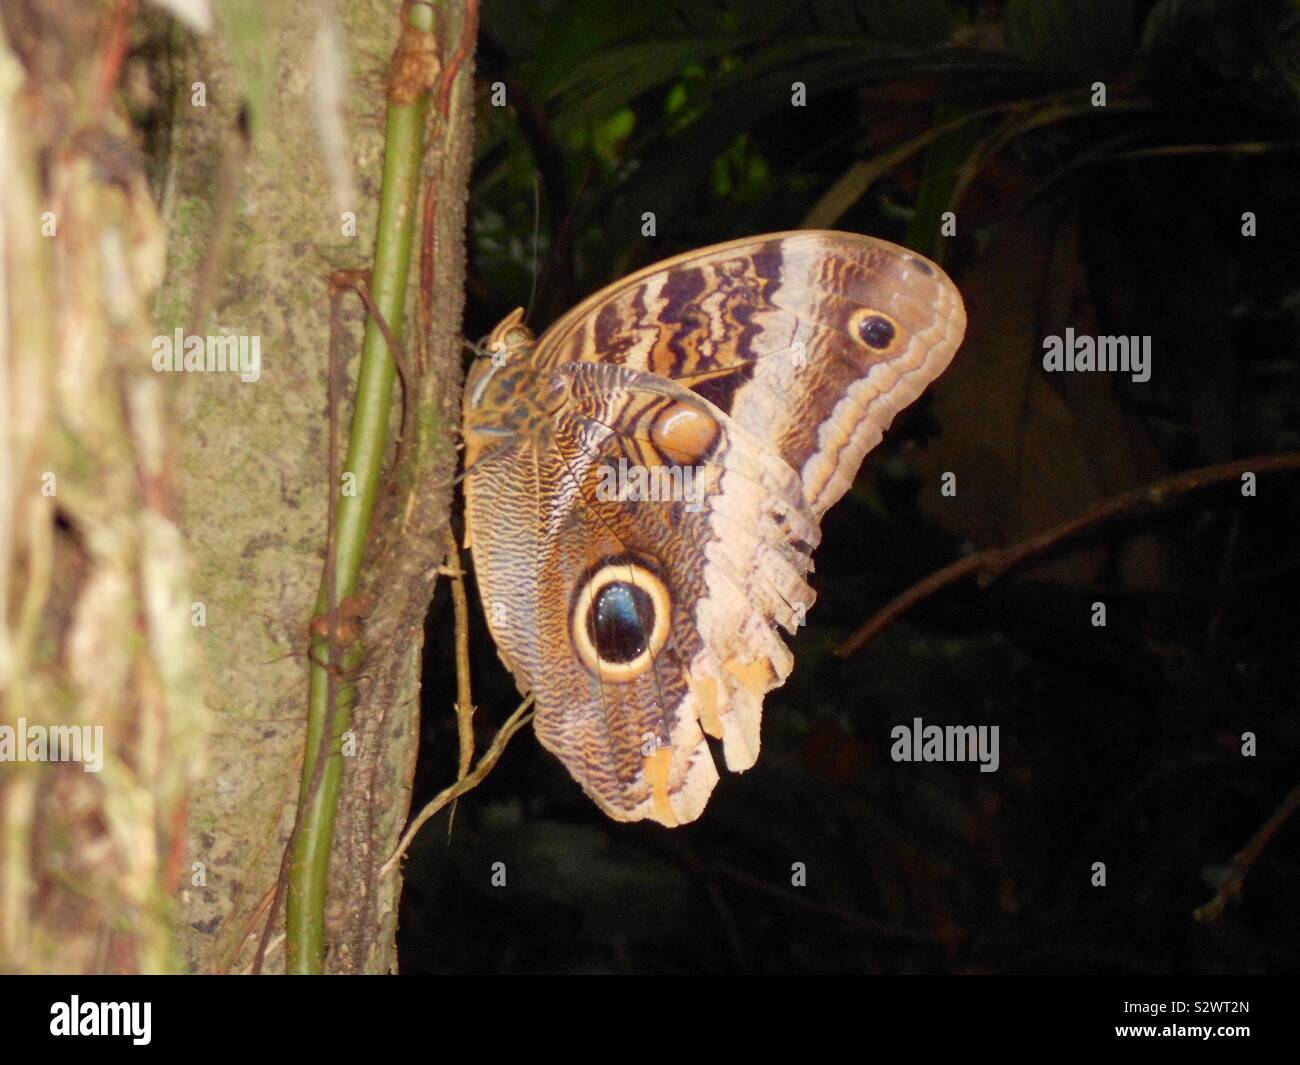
x: 645, y: 482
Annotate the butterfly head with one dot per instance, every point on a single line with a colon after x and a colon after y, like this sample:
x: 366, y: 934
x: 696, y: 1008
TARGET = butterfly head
x: 510, y: 340
x: 508, y: 346
x: 507, y: 398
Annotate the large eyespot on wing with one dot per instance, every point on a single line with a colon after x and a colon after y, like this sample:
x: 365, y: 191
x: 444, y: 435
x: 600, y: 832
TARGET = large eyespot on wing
x: 800, y: 347
x: 811, y: 340
x: 721, y: 565
x: 612, y: 695
x: 620, y: 620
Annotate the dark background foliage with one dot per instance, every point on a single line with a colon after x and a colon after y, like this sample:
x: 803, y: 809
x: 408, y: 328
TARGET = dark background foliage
x: 1120, y: 744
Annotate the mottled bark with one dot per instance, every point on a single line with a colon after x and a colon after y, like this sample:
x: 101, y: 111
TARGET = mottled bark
x: 254, y: 480
x: 96, y: 639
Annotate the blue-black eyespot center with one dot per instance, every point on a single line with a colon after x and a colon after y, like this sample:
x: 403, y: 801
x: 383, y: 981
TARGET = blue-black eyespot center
x: 620, y: 622
x: 876, y: 332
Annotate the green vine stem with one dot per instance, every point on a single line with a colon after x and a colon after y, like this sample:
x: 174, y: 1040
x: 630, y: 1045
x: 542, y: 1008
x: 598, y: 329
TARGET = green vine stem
x: 412, y: 73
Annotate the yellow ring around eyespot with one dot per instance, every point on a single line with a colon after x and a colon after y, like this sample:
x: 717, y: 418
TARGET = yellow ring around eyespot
x: 859, y: 317
x: 639, y: 577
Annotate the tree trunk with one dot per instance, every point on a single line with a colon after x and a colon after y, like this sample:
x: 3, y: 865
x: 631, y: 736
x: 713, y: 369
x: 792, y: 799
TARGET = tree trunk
x: 199, y: 673
x: 96, y: 644
x: 257, y: 515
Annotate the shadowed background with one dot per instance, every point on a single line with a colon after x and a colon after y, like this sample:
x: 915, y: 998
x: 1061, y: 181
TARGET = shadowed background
x: 1119, y: 744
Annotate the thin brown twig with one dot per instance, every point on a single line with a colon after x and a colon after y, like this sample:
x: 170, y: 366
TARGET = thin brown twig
x: 115, y: 39
x: 428, y: 225
x: 462, y: 52
x: 992, y: 563
x: 269, y: 901
x: 362, y: 285
x: 208, y: 277
x: 513, y: 724
x: 250, y: 919
x: 464, y: 696
x: 1245, y: 858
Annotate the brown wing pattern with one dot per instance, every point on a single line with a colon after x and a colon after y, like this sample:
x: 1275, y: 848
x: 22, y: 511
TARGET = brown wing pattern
x: 811, y: 340
x: 758, y: 373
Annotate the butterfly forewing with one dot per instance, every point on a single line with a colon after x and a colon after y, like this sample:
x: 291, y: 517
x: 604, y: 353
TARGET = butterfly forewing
x: 811, y: 340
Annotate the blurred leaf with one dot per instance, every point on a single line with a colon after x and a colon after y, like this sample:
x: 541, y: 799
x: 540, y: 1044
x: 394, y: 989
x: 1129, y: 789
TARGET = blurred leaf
x: 854, y: 183
x: 1022, y: 121
x: 940, y: 187
x: 1036, y: 447
x: 582, y: 29
x: 608, y: 136
x: 761, y: 87
x: 603, y: 84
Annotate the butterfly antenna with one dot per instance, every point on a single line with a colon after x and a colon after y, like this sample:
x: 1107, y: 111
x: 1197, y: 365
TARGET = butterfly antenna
x: 537, y: 229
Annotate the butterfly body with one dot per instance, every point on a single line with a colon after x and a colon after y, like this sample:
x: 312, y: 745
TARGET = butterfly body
x: 646, y: 480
